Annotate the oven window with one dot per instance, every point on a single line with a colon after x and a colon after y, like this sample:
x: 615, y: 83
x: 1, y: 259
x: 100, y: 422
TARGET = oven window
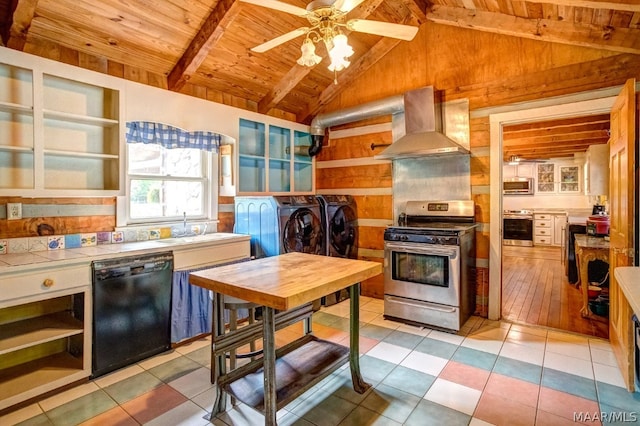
x: 518, y: 229
x: 420, y: 268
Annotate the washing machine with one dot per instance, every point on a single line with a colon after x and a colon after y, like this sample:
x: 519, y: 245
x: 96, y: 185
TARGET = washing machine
x: 280, y: 224
x: 340, y: 220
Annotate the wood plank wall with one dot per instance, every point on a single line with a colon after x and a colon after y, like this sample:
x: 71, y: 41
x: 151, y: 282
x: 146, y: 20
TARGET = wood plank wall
x: 488, y: 69
x: 59, y: 216
x: 345, y: 166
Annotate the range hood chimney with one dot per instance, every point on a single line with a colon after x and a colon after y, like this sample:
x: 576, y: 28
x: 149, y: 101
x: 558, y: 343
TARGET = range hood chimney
x: 424, y: 129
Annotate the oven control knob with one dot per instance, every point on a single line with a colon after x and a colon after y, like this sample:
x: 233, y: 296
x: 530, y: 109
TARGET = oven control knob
x: 404, y: 237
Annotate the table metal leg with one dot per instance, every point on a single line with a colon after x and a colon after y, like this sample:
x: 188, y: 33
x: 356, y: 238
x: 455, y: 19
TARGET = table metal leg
x: 359, y: 385
x: 218, y: 363
x: 269, y: 347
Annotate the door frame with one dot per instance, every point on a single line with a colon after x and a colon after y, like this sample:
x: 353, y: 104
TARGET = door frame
x: 561, y: 109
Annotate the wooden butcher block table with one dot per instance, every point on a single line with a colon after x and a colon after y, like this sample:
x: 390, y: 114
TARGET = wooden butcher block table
x: 288, y: 284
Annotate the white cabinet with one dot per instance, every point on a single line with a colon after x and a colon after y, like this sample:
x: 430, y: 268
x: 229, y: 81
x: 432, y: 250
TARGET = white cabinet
x: 518, y: 170
x: 559, y: 225
x: 548, y: 228
x: 45, y: 331
x: 274, y: 159
x: 558, y: 178
x: 542, y: 229
x: 596, y: 170
x: 61, y: 130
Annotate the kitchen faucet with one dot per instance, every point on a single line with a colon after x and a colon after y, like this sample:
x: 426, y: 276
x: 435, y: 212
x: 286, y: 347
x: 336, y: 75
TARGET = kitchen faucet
x: 184, y: 223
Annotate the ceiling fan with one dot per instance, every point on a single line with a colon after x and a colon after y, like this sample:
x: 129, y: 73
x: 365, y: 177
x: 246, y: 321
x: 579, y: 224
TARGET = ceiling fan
x: 327, y: 20
x: 514, y: 160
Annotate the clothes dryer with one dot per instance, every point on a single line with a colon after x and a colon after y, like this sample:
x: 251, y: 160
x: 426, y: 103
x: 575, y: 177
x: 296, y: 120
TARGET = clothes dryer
x: 280, y: 224
x: 340, y: 220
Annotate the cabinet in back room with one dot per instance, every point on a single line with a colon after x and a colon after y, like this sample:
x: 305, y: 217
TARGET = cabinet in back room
x: 596, y: 170
x: 518, y: 170
x: 548, y: 228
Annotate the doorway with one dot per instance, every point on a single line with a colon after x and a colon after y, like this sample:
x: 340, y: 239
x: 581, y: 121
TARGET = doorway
x: 543, y: 110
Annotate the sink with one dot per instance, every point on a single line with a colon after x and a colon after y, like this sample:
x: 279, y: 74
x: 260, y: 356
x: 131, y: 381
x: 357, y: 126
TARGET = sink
x: 191, y: 239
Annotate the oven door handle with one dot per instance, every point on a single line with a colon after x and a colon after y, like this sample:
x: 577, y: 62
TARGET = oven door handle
x: 421, y: 304
x: 422, y: 249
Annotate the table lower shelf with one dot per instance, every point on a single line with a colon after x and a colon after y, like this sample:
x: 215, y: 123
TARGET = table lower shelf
x: 299, y: 366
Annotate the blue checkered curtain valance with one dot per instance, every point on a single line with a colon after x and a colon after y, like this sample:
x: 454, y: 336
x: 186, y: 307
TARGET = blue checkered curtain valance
x: 171, y: 137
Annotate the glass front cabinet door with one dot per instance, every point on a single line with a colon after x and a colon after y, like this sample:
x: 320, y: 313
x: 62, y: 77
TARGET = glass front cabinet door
x: 273, y: 159
x: 546, y: 178
x: 569, y: 179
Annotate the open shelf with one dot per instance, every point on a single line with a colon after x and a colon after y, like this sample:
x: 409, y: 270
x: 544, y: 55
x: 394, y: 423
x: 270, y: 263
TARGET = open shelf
x: 75, y: 154
x: 24, y: 378
x: 80, y: 119
x: 16, y: 148
x: 299, y: 365
x: 15, y: 108
x: 26, y: 333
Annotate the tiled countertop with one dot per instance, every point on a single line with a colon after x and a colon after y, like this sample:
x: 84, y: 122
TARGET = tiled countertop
x: 19, y: 262
x: 629, y: 280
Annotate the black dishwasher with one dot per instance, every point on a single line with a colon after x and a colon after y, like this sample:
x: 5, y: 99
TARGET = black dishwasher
x: 131, y: 310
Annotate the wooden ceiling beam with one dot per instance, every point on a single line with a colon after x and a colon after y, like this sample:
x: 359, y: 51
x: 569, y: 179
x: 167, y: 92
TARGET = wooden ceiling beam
x: 209, y: 34
x: 558, y: 138
x: 624, y: 40
x: 23, y: 14
x: 563, y: 123
x: 290, y: 80
x: 601, y: 128
x: 621, y: 5
x: 297, y: 73
x: 418, y: 9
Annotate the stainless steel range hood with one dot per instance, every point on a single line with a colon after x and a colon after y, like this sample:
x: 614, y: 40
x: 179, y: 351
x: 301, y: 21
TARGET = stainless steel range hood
x: 424, y: 129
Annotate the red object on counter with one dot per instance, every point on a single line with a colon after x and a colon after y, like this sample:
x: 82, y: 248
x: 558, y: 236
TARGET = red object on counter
x: 598, y: 225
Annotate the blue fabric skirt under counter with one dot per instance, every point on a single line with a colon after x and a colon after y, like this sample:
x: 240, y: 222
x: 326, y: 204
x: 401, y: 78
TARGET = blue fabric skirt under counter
x: 191, y: 308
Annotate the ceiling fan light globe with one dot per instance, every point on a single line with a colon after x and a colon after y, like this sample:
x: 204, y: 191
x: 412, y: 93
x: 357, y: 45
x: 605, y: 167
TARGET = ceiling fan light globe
x: 309, y: 57
x: 341, y: 47
x: 338, y: 64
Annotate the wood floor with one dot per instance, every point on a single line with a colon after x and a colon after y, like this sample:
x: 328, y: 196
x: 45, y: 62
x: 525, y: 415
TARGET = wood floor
x: 535, y: 290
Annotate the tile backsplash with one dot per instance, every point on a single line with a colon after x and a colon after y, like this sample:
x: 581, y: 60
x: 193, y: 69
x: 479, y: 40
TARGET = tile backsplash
x: 69, y: 241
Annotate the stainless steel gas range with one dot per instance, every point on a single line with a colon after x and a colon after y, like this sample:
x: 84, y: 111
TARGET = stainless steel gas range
x: 429, y: 264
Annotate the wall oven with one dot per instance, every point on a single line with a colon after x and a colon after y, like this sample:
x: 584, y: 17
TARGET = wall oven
x: 429, y: 263
x: 517, y: 228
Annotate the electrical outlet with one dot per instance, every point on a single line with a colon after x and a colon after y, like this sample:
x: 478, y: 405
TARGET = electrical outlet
x: 14, y: 211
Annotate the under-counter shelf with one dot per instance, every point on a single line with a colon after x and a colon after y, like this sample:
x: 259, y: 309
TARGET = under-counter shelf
x: 45, y: 339
x: 26, y: 333
x: 40, y: 375
x: 299, y: 365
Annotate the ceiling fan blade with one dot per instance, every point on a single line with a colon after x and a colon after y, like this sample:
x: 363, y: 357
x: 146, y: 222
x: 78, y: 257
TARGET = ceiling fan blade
x: 347, y: 5
x: 280, y: 39
x: 385, y: 29
x: 278, y: 5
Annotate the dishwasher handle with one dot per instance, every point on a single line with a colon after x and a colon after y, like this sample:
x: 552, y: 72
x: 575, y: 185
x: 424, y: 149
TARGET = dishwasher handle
x: 132, y: 265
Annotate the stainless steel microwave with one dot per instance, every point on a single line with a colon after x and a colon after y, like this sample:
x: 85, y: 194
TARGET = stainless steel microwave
x: 518, y: 186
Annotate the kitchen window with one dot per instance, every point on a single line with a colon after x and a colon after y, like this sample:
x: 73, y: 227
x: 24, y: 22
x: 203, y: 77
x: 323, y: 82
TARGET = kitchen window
x: 167, y: 177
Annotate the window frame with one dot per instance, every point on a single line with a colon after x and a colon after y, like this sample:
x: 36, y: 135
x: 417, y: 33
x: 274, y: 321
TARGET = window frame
x: 209, y: 180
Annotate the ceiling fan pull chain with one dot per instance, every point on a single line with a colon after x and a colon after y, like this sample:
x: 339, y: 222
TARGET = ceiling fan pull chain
x: 335, y: 77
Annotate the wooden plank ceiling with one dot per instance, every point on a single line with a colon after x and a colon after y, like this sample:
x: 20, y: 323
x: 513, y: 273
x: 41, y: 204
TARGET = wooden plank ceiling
x: 561, y: 138
x: 208, y: 42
